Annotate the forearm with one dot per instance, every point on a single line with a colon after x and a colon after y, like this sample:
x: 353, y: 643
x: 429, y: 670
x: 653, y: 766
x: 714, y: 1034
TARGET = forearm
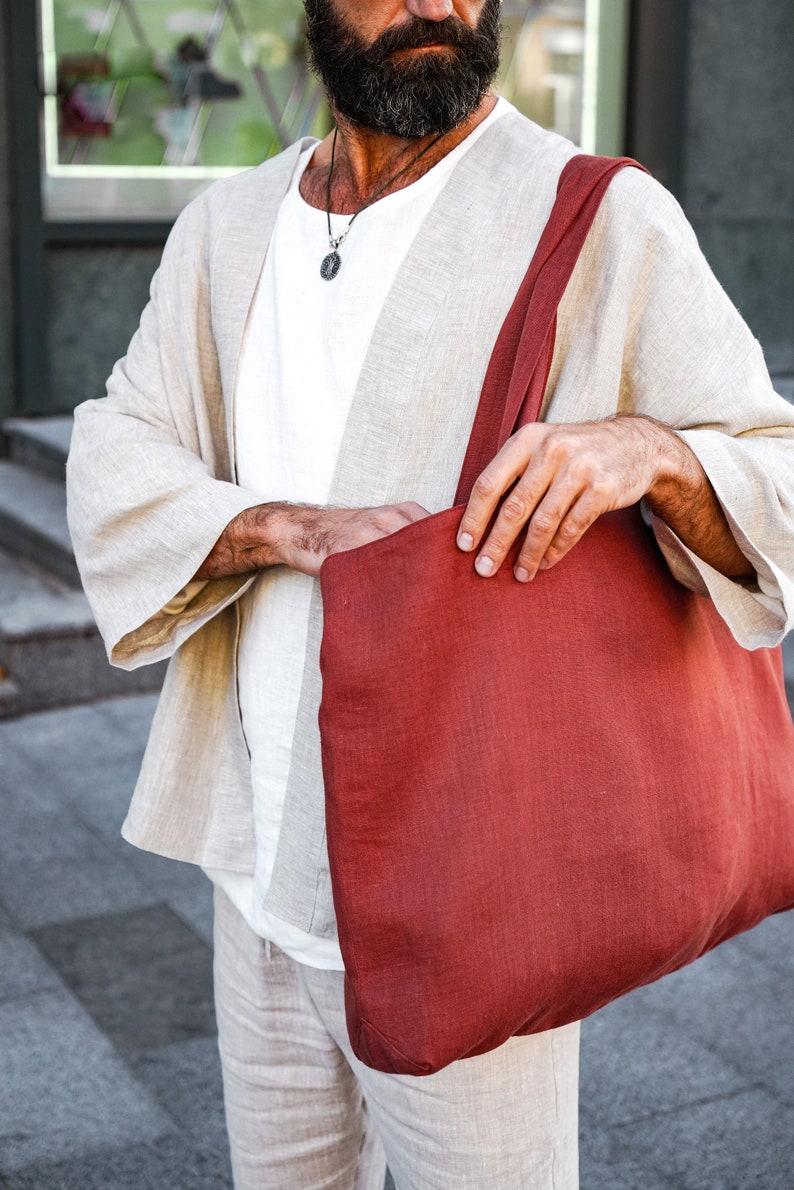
x: 684, y: 499
x: 569, y: 474
x: 300, y: 536
x: 253, y: 541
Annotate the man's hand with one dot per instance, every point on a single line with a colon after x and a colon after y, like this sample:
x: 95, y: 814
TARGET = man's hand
x: 300, y: 536
x: 569, y: 475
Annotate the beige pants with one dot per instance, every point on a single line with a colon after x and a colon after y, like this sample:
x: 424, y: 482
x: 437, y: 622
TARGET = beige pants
x: 304, y: 1113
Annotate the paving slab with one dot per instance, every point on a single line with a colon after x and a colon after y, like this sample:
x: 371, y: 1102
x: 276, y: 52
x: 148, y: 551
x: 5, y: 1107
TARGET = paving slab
x: 740, y: 1009
x: 605, y: 1163
x: 185, y: 1079
x: 39, y: 830
x: 100, y: 749
x: 183, y: 887
x: 684, y: 1084
x: 174, y: 1163
x: 39, y: 894
x: 144, y: 977
x: 79, y: 761
x: 636, y: 1063
x: 63, y: 1088
x: 771, y: 943
x: 40, y: 734
x: 196, y: 909
x: 51, y: 750
x: 18, y: 780
x: 730, y: 1143
x: 97, y: 790
x: 23, y: 968
x: 132, y: 714
x: 53, y: 868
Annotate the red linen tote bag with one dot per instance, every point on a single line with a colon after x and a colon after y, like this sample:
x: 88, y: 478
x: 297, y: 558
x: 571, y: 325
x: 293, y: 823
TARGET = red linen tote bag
x: 538, y: 797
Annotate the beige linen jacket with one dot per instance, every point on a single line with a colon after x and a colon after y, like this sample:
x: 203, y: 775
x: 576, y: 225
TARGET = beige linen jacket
x: 643, y: 328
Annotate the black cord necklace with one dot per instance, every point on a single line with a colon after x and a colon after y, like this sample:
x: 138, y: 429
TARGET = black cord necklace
x: 332, y: 263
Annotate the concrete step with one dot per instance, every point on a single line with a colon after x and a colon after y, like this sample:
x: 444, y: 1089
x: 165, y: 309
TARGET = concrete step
x: 51, y: 655
x: 21, y: 579
x: 39, y: 443
x: 33, y: 521
x: 50, y: 651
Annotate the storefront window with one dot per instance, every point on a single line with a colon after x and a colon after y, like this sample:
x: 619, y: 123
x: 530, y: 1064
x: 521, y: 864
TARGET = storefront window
x: 564, y: 66
x: 146, y: 101
x: 543, y: 67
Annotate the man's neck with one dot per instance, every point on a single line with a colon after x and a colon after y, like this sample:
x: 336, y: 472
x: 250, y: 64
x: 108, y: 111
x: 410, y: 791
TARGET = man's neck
x: 366, y: 159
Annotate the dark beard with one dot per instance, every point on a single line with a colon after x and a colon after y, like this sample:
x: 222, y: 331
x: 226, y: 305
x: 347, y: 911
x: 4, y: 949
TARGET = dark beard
x: 410, y: 99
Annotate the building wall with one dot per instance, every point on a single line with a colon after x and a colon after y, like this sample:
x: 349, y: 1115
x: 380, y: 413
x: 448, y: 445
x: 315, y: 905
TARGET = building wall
x: 96, y: 295
x: 738, y: 167
x: 736, y: 184
x: 6, y: 323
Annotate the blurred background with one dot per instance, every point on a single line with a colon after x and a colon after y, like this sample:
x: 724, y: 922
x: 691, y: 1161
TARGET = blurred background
x: 113, y: 115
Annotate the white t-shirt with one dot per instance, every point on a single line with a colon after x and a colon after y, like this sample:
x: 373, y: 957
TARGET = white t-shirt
x: 302, y: 354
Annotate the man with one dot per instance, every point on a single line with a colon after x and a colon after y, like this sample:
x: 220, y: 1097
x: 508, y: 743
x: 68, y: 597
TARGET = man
x: 303, y: 382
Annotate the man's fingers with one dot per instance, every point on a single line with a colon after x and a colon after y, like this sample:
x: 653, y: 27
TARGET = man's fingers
x: 558, y: 521
x: 534, y: 501
x: 541, y: 551
x: 568, y: 475
x: 545, y: 519
x: 490, y: 486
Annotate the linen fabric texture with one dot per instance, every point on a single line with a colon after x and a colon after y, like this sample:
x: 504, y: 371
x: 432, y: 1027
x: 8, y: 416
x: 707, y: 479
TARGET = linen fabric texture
x: 643, y: 328
x: 296, y: 379
x: 304, y: 1114
x: 587, y: 773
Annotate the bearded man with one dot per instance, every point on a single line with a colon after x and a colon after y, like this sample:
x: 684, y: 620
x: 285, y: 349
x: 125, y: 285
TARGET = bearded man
x: 303, y: 381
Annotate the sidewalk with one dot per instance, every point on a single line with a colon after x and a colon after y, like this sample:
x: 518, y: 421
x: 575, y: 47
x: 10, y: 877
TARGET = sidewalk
x: 109, y: 1077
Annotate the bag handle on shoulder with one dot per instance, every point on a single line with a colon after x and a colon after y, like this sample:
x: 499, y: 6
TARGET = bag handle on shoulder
x: 521, y: 359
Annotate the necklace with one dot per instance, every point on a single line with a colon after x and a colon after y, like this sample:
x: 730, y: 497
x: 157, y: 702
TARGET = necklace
x: 332, y: 263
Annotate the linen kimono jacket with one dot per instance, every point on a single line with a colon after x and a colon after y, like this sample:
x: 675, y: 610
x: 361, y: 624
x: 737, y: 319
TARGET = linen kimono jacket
x: 643, y: 328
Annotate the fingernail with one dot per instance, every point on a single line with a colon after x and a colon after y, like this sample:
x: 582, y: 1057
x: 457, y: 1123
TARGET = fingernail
x: 466, y: 541
x: 545, y: 565
x: 484, y: 566
x: 521, y: 574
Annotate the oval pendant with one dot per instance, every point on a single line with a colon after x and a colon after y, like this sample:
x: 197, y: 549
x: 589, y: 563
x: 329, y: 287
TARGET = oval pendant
x: 331, y: 266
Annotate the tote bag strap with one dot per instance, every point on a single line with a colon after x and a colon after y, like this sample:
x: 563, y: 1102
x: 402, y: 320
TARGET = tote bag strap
x: 521, y: 359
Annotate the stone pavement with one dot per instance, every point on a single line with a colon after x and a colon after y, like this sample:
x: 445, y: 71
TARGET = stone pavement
x: 109, y: 1076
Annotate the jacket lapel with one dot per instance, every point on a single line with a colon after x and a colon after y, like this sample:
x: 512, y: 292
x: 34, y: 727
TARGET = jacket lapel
x: 422, y: 375
x: 237, y: 277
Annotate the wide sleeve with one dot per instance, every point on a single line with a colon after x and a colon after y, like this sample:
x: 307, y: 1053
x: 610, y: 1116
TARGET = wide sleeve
x: 148, y: 478
x: 691, y: 361
x: 750, y: 463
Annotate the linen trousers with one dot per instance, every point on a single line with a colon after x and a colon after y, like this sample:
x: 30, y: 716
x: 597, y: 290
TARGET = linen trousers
x: 304, y: 1114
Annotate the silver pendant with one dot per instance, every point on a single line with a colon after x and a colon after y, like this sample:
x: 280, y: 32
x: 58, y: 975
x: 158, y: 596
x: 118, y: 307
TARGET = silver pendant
x: 331, y: 266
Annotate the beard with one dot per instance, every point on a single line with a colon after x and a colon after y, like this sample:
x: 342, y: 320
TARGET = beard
x: 428, y: 94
